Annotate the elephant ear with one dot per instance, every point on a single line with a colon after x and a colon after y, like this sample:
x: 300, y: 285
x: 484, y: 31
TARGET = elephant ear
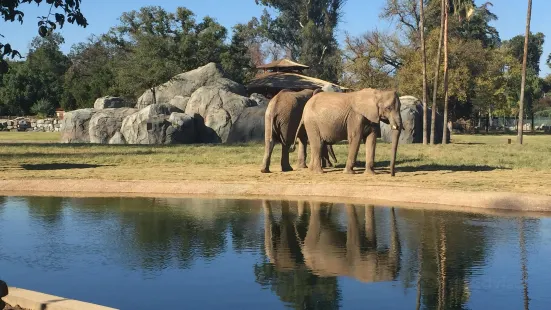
x: 366, y: 103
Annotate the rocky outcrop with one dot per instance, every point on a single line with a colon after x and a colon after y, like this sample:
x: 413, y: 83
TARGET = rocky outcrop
x: 109, y: 102
x: 185, y: 84
x: 331, y: 88
x: 105, y: 123
x: 412, y: 120
x: 249, y: 126
x: 75, y: 126
x: 180, y: 102
x: 152, y: 125
x: 215, y: 110
x: 117, y: 138
x: 260, y: 100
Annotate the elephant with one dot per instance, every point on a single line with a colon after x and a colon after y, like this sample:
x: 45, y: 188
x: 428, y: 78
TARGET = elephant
x: 332, y: 117
x: 281, y: 123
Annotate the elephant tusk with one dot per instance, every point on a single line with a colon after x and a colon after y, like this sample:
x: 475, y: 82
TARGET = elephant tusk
x: 394, y: 127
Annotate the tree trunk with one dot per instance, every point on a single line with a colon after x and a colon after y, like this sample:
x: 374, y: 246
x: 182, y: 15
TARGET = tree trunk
x: 446, y: 62
x: 424, y: 59
x: 523, y: 83
x: 436, y: 75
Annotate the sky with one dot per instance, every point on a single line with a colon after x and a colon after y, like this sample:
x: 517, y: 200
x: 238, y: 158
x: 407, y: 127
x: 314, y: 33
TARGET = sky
x: 359, y: 16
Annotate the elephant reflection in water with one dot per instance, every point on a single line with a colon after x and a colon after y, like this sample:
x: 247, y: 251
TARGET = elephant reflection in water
x: 326, y: 251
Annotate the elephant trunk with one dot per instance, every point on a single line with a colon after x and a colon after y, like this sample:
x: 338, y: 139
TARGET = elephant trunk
x: 395, y: 138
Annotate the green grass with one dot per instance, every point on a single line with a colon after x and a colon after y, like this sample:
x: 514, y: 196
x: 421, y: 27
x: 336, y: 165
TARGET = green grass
x: 471, y: 162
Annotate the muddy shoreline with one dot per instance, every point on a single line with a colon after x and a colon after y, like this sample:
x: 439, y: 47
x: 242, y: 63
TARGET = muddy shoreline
x: 413, y: 197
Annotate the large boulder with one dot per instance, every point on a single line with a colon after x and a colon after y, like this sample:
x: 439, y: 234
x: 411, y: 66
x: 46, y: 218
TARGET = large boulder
x: 117, y: 138
x: 109, y: 102
x: 249, y: 126
x: 105, y: 123
x: 215, y: 110
x: 74, y: 126
x: 331, y: 88
x: 185, y: 84
x: 152, y: 125
x: 260, y: 99
x: 412, y: 120
x: 180, y: 102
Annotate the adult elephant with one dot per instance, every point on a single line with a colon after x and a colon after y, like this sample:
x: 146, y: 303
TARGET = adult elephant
x: 281, y: 123
x: 332, y: 117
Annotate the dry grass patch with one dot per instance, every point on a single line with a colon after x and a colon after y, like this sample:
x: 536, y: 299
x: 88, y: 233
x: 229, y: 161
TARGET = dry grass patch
x: 469, y: 163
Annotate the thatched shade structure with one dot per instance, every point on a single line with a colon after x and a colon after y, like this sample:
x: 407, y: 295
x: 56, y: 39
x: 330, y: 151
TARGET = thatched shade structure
x: 285, y: 74
x: 283, y: 65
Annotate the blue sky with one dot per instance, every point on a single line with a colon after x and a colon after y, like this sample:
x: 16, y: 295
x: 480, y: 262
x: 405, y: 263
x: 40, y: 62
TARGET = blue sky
x: 359, y: 16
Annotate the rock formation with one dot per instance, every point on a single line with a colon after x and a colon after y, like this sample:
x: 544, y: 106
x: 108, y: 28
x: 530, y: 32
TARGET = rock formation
x: 412, y: 119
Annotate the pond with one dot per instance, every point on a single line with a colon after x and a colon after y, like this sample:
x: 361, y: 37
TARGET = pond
x: 152, y: 253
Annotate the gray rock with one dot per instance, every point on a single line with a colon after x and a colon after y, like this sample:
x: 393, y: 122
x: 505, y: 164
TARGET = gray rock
x: 117, y: 138
x: 185, y: 84
x: 412, y: 120
x: 215, y: 110
x: 75, y: 126
x: 260, y: 99
x: 180, y: 102
x: 249, y: 126
x: 151, y: 125
x: 331, y: 88
x: 106, y: 122
x: 109, y: 102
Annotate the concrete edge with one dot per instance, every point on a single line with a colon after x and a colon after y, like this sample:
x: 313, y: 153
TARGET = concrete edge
x: 32, y: 300
x: 373, y: 194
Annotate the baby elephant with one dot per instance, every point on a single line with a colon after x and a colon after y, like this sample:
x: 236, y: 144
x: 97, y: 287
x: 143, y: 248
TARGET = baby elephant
x: 281, y: 121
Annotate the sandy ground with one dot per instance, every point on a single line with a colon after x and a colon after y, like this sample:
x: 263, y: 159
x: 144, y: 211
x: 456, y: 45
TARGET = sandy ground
x: 395, y: 195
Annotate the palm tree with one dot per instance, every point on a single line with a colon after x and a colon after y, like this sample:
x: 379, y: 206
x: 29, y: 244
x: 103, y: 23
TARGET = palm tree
x: 437, y: 74
x: 446, y: 63
x: 523, y: 83
x: 463, y: 9
x: 424, y: 59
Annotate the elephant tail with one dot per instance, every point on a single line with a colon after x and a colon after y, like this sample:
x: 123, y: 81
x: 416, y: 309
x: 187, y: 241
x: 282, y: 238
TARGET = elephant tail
x: 300, y: 126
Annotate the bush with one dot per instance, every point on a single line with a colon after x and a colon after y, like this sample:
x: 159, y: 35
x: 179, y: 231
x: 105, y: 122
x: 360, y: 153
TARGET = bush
x: 43, y: 108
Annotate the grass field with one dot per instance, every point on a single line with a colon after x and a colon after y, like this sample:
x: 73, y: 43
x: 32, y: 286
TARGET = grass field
x: 471, y: 162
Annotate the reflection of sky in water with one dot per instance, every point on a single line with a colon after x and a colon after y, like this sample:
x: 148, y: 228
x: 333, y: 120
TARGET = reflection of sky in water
x: 208, y: 253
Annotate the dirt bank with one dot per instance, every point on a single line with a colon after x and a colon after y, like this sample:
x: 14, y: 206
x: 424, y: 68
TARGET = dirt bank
x: 373, y: 194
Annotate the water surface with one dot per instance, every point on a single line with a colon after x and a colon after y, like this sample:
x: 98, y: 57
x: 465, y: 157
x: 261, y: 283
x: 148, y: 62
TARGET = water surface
x: 151, y: 253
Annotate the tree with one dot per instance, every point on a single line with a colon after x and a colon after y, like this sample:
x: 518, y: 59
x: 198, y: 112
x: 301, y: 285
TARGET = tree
x: 90, y: 74
x: 424, y: 59
x: 60, y: 10
x: 307, y: 30
x: 523, y: 83
x: 437, y: 72
x: 154, y: 45
x: 39, y: 77
x: 236, y: 61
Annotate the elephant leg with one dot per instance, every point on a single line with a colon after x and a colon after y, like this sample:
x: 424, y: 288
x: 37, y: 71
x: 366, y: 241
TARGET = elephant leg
x: 285, y: 166
x: 268, y: 145
x: 316, y: 150
x: 302, y: 142
x: 268, y: 149
x: 353, y: 147
x: 370, y: 143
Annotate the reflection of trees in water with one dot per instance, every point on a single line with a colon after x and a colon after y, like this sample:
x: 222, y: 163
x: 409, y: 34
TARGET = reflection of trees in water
x: 449, y: 246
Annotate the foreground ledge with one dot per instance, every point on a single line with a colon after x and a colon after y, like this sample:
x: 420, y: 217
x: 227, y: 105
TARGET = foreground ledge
x: 398, y: 195
x: 38, y: 301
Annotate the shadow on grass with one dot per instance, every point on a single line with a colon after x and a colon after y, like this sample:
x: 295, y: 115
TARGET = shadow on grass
x: 386, y: 163
x: 60, y: 166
